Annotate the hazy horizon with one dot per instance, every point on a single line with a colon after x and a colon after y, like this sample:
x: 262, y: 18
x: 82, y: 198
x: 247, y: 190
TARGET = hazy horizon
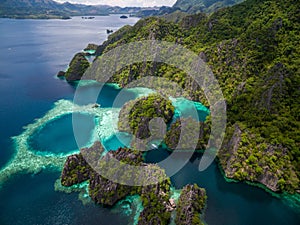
x: 123, y: 3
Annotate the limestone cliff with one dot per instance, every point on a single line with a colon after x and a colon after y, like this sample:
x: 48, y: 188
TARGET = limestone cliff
x: 77, y: 67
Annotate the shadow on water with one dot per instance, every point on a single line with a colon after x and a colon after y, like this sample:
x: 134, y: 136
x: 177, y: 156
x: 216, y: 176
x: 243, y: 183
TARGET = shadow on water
x: 102, y: 94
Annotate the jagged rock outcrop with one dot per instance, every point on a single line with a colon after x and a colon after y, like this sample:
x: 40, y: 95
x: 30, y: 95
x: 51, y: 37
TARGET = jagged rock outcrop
x: 91, y: 46
x: 190, y: 205
x: 154, y: 189
x: 76, y: 169
x: 77, y: 67
x: 136, y: 116
x: 107, y: 192
x: 115, y: 37
x: 183, y: 134
x: 244, y: 156
x: 191, y: 21
x: 102, y: 190
x: 276, y: 88
x: 156, y: 204
x: 61, y: 74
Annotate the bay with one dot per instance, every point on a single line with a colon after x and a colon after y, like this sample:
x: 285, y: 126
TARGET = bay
x: 31, y: 53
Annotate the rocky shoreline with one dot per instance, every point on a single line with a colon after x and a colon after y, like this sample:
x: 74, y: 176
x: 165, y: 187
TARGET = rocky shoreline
x: 255, y: 166
x: 182, y: 132
x: 228, y: 156
x: 79, y: 64
x: 157, y: 204
x: 260, y: 147
x: 192, y: 199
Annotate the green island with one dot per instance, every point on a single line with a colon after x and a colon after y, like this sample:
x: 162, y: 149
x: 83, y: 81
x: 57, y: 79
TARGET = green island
x: 189, y: 125
x: 191, y: 200
x: 136, y: 114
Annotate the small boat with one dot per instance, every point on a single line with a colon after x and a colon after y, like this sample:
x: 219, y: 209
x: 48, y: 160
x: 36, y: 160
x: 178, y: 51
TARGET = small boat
x: 87, y: 17
x: 96, y: 105
x: 123, y: 17
x: 154, y: 145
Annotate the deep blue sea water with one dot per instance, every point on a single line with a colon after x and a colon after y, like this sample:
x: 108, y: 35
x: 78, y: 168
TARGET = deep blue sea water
x: 31, y: 53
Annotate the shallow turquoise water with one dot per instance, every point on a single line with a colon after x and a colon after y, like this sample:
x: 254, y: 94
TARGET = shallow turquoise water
x: 90, y: 92
x: 186, y: 108
x: 120, y: 139
x: 57, y: 136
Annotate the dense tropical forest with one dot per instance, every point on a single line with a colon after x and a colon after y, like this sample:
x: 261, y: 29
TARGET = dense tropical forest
x: 252, y: 48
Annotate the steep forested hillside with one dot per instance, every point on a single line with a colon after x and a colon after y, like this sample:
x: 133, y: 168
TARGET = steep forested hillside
x: 253, y: 51
x: 183, y: 7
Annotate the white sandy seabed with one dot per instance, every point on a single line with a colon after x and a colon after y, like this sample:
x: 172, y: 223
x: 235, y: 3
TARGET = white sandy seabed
x: 28, y: 160
x: 32, y: 161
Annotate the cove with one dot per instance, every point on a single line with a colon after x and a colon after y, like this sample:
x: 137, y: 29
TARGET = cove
x: 229, y: 203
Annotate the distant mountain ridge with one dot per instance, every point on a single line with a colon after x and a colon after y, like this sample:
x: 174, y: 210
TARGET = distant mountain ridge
x: 183, y: 7
x: 195, y: 6
x: 52, y: 9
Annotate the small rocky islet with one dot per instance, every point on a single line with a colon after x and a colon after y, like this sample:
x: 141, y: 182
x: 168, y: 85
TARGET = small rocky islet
x: 156, y: 200
x: 136, y: 116
x: 77, y: 67
x: 79, y: 64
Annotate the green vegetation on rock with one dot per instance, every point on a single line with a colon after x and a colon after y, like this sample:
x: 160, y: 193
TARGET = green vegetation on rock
x: 252, y: 49
x: 196, y: 6
x: 246, y: 156
x: 181, y: 134
x: 136, y: 115
x: 191, y: 204
x: 155, y: 197
x: 77, y: 67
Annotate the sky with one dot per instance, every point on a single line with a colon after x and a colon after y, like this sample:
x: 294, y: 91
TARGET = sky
x: 123, y: 3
